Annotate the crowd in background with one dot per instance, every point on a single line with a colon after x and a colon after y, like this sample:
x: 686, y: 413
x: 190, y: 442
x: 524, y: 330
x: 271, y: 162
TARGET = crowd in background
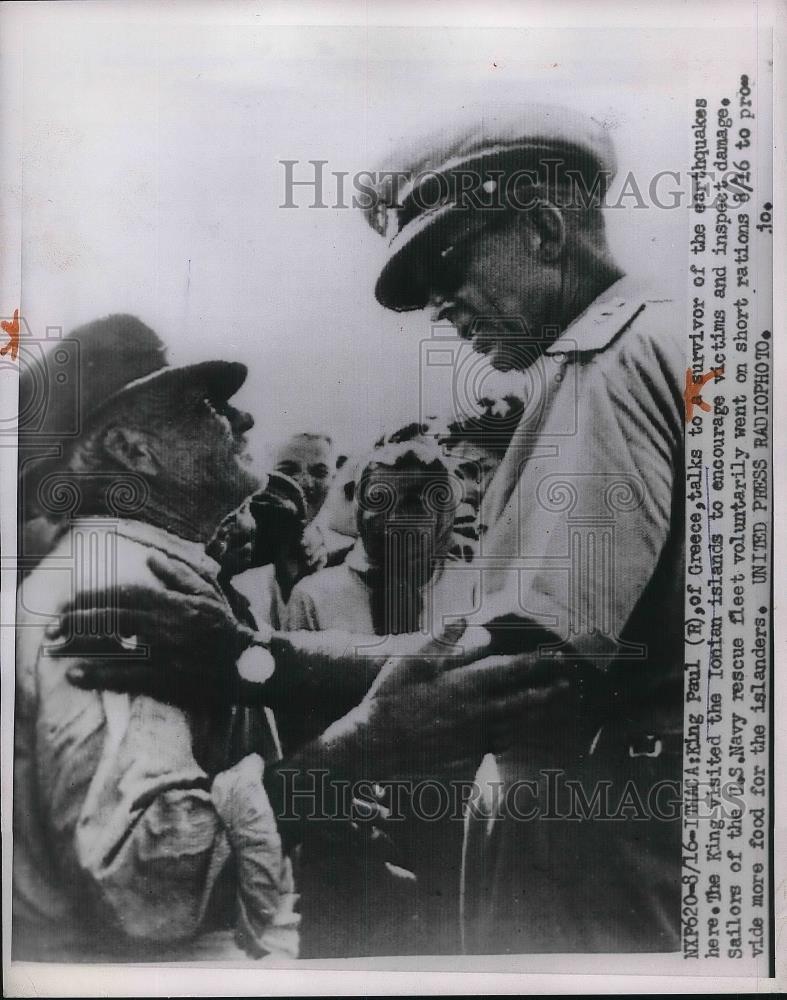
x: 477, y: 606
x: 368, y: 537
x: 347, y: 546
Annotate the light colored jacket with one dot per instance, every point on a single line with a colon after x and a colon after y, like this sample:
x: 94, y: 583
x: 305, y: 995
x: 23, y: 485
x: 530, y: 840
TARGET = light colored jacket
x: 585, y: 509
x: 122, y: 843
x: 586, y: 540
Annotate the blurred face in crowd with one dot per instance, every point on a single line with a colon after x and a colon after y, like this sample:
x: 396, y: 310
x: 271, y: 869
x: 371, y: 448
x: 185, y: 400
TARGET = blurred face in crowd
x: 405, y: 518
x: 308, y: 459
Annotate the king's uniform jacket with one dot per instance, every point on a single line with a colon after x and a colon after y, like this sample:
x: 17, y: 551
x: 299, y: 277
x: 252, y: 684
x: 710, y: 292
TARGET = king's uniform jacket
x: 582, y: 562
x: 586, y: 542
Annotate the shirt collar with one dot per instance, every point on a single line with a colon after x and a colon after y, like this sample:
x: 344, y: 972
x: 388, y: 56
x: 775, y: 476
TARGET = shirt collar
x: 605, y: 317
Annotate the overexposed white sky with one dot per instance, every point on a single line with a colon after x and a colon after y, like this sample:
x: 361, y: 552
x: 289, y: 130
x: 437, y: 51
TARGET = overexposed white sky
x: 152, y: 185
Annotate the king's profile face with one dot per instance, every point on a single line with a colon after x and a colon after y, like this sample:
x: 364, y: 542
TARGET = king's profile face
x: 490, y: 289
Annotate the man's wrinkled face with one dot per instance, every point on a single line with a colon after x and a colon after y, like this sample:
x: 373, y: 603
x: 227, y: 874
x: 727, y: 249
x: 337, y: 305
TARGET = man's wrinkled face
x: 204, y: 445
x: 309, y: 461
x: 229, y: 425
x: 225, y: 429
x: 491, y: 288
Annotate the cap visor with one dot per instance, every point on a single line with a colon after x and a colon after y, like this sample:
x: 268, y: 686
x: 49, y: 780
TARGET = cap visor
x: 220, y: 379
x: 412, y: 272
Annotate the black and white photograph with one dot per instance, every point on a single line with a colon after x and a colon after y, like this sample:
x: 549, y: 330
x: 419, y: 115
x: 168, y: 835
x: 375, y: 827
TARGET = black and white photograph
x: 387, y: 492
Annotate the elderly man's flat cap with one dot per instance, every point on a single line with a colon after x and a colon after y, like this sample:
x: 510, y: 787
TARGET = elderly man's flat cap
x: 445, y: 186
x: 64, y: 390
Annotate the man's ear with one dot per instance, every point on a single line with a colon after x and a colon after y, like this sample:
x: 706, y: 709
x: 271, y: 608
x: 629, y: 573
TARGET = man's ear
x: 550, y: 229
x: 132, y: 449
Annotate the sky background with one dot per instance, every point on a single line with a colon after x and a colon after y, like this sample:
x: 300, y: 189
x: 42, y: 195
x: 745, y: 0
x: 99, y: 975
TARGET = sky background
x: 152, y: 185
